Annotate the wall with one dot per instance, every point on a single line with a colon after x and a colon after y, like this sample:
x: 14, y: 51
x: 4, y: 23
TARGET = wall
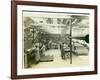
x: 5, y: 35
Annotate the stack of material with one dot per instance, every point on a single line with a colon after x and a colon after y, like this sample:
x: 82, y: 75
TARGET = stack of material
x: 47, y: 58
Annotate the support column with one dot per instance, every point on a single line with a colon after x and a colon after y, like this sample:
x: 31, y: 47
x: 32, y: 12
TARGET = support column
x: 70, y: 41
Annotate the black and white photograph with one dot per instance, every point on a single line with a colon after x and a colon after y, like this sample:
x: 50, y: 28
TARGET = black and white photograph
x: 55, y: 39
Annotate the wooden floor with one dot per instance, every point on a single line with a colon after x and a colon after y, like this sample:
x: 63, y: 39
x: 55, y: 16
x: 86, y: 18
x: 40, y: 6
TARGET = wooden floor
x: 82, y: 60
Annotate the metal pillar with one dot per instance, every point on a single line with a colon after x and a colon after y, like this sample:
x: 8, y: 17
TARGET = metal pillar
x: 70, y: 41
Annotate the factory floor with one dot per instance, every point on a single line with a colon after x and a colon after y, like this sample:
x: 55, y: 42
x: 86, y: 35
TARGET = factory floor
x: 81, y: 60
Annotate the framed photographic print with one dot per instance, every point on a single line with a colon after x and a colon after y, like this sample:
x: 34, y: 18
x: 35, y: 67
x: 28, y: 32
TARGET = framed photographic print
x: 53, y: 39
